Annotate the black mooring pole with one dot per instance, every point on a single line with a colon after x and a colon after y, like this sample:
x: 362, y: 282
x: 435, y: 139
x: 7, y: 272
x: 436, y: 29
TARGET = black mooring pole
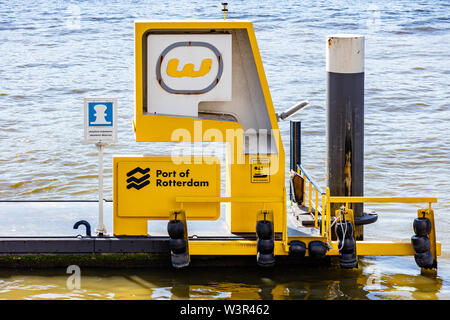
x: 345, y: 119
x: 295, y: 147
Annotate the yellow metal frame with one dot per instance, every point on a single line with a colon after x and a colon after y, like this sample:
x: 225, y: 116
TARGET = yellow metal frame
x: 248, y: 247
x: 367, y: 247
x: 163, y: 126
x: 159, y: 128
x: 363, y: 248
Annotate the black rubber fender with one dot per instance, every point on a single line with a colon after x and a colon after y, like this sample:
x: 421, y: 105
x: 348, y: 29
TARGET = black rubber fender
x: 424, y: 259
x: 366, y: 218
x: 348, y: 260
x: 317, y: 249
x: 420, y: 243
x: 265, y: 260
x: 180, y: 260
x: 175, y: 229
x: 264, y: 229
x: 265, y: 245
x: 177, y: 245
x: 422, y: 226
x: 297, y: 249
x: 348, y: 245
x: 344, y: 227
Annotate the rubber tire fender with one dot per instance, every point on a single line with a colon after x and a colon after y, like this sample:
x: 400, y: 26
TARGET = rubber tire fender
x: 348, y: 260
x: 317, y: 249
x: 175, y: 229
x: 342, y: 227
x: 366, y: 218
x: 264, y: 229
x: 349, y: 245
x: 297, y: 249
x: 265, y: 260
x: 424, y: 259
x: 177, y: 245
x: 420, y: 243
x: 265, y: 246
x: 422, y: 226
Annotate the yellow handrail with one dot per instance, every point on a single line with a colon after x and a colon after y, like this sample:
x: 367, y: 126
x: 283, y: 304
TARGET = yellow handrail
x: 316, y: 209
x: 327, y: 200
x: 310, y: 198
x: 382, y: 199
x: 323, y: 214
x: 312, y: 188
x: 352, y: 199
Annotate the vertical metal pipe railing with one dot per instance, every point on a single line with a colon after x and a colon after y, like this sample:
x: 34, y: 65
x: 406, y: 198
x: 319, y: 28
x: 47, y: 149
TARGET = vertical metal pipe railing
x: 311, y: 194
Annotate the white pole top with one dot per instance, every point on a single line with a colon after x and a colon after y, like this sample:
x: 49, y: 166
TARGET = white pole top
x: 345, y: 53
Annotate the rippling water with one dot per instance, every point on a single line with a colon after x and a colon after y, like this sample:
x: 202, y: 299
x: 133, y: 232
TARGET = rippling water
x: 55, y: 53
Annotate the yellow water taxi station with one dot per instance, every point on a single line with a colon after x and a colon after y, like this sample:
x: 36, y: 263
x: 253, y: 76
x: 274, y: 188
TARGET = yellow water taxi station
x: 203, y: 83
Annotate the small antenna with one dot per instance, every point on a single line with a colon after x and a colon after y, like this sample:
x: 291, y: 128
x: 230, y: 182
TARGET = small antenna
x: 225, y: 10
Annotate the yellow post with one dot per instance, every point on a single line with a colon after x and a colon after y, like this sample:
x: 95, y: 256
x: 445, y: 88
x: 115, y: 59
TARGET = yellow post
x: 316, y: 209
x: 224, y: 4
x: 424, y: 213
x: 310, y: 197
x: 324, y: 214
x: 285, y: 238
x: 304, y: 190
x: 329, y: 213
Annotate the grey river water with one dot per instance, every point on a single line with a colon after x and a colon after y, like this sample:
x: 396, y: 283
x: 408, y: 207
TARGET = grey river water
x: 55, y: 53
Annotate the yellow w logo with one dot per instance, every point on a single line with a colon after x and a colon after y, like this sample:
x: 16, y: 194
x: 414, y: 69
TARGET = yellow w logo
x: 188, y: 69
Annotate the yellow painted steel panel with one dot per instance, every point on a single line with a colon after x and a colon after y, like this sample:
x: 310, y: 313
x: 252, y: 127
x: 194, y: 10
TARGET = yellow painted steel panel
x: 228, y: 199
x: 230, y: 247
x: 248, y: 247
x: 151, y: 192
x: 155, y: 127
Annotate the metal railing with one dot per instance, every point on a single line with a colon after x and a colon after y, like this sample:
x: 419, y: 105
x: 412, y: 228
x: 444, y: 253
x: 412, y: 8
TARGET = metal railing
x: 311, y: 193
x: 314, y: 188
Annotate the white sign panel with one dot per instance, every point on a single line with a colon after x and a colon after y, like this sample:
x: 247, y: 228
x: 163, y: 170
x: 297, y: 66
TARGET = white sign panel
x: 100, y: 120
x: 186, y: 69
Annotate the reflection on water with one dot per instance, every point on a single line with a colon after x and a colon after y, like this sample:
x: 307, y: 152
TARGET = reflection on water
x: 222, y: 283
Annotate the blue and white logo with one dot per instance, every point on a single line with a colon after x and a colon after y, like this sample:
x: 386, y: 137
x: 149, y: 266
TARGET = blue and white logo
x: 100, y: 114
x: 100, y: 120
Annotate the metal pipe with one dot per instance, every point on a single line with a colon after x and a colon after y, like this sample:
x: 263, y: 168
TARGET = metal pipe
x: 84, y: 223
x: 295, y: 147
x: 345, y: 119
x: 101, y: 229
x: 305, y: 173
x: 294, y: 109
x: 296, y: 143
